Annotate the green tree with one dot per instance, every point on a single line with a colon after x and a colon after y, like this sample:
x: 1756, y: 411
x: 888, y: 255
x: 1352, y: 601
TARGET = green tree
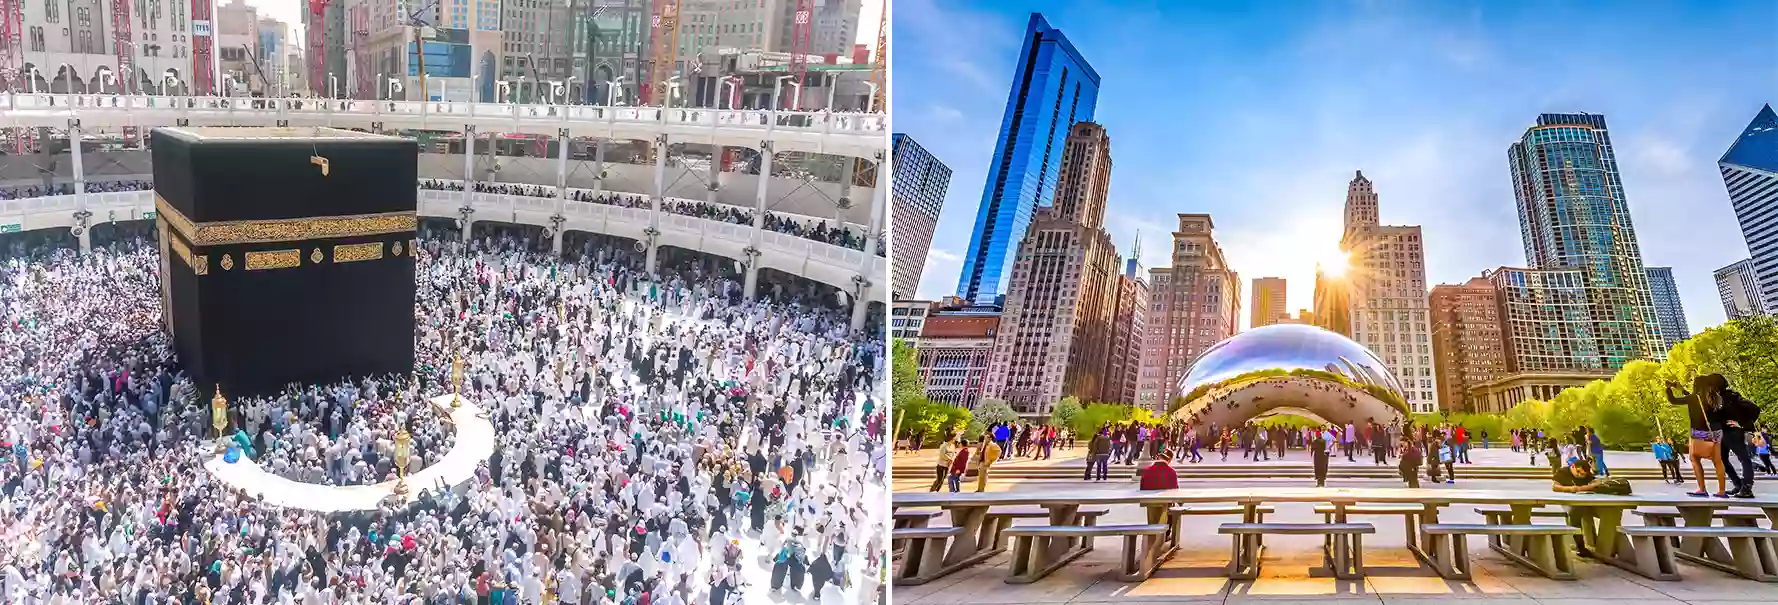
x: 988, y: 412
x: 1065, y: 411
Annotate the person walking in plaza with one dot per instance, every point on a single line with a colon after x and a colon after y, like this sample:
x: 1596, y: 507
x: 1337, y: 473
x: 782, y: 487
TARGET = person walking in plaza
x: 1447, y: 454
x: 1410, y: 462
x: 990, y: 454
x: 1460, y: 443
x: 1192, y: 442
x: 1379, y: 444
x: 959, y: 465
x: 1703, y: 407
x: 1098, y: 456
x: 1663, y: 451
x: 1346, y: 441
x: 1597, y: 449
x: 1763, y: 448
x: 942, y: 464
x: 1318, y: 449
x: 1484, y: 439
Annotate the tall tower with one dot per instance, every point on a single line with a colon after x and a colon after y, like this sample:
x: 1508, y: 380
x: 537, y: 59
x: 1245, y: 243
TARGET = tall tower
x: 1739, y: 289
x: 1056, y: 330
x: 1268, y: 302
x: 1361, y: 203
x: 1669, y: 311
x: 917, y: 198
x: 1750, y: 171
x: 1573, y: 216
x: 1193, y: 304
x: 1053, y: 87
x: 1385, y: 292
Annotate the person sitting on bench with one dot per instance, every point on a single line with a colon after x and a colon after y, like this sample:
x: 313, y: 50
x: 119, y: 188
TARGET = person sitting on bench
x: 1160, y: 475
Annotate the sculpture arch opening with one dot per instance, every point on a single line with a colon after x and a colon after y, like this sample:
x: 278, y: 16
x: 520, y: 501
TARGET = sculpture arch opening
x: 1289, y: 368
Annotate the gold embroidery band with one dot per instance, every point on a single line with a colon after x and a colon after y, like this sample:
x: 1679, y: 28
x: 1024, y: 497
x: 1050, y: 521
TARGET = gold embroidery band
x: 284, y: 230
x: 346, y: 253
x: 198, y: 263
x: 273, y: 259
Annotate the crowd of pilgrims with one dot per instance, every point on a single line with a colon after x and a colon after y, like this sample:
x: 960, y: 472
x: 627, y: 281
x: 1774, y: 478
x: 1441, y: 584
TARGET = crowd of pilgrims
x: 846, y: 236
x: 31, y: 191
x: 658, y: 442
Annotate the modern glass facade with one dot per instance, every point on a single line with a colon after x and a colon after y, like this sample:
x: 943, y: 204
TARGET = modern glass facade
x: 1750, y: 172
x: 1053, y: 87
x: 918, y: 196
x: 1572, y: 216
x: 1668, y: 309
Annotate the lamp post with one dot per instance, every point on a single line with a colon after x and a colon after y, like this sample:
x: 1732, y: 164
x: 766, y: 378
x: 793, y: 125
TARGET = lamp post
x: 611, y: 92
x: 385, y: 87
x: 566, y: 88
x: 673, y: 87
x: 168, y: 77
x: 796, y: 95
x: 333, y: 85
x: 219, y: 419
x: 31, y: 80
x: 870, y: 104
x: 394, y: 85
x: 500, y: 88
x: 518, y: 95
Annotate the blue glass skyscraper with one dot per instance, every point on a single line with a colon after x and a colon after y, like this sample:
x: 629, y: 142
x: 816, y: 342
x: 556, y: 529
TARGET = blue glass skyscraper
x: 1053, y: 87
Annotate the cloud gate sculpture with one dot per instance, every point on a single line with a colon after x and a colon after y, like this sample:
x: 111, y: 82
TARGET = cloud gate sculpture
x: 1289, y: 367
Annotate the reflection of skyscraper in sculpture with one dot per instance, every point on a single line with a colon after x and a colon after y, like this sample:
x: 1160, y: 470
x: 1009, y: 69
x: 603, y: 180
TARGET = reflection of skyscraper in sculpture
x: 1056, y: 329
x: 1193, y: 304
x: 1385, y: 287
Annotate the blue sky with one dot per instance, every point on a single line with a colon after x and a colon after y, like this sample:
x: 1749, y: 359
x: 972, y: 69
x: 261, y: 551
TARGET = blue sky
x: 1259, y: 116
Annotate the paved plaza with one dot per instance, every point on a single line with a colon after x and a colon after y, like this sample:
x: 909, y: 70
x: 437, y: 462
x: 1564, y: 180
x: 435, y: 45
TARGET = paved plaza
x: 1498, y: 456
x: 1196, y: 575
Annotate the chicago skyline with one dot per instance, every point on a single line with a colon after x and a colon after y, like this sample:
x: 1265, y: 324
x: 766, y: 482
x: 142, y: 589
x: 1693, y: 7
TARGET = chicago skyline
x: 1433, y: 136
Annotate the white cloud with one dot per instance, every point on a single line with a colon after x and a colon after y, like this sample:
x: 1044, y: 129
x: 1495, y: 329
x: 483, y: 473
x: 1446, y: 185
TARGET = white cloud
x: 946, y: 113
x: 940, y: 275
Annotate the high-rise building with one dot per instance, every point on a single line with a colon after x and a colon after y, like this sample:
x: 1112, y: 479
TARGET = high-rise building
x: 1573, y: 216
x: 1739, y: 288
x: 953, y: 352
x: 73, y: 46
x: 1467, y: 346
x: 908, y: 317
x: 1668, y: 309
x: 1750, y: 171
x: 1192, y: 304
x: 1385, y: 284
x: 918, y: 196
x: 1128, y: 328
x: 1268, y: 302
x: 1546, y: 321
x: 1055, y: 333
x: 1053, y: 87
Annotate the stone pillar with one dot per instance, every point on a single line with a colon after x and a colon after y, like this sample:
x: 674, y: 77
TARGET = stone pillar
x: 86, y: 231
x: 661, y: 150
x: 561, y: 189
x: 750, y: 286
x: 715, y: 174
x: 598, y: 166
x: 848, y: 171
x: 468, y: 174
x: 878, y: 206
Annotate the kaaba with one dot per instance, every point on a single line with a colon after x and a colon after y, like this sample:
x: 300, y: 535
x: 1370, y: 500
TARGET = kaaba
x: 287, y: 254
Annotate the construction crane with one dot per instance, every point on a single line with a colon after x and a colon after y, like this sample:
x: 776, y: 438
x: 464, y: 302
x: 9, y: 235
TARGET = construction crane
x: 122, y: 39
x: 317, y: 54
x: 366, y: 89
x: 420, y: 25
x: 879, y: 71
x: 665, y: 57
x: 12, y: 49
x: 800, y: 44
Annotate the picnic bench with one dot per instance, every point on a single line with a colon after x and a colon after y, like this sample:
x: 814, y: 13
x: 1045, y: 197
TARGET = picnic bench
x: 923, y: 557
x: 1542, y: 548
x: 1596, y: 517
x: 1343, y: 554
x: 1031, y: 561
x: 1650, y: 551
x: 999, y: 520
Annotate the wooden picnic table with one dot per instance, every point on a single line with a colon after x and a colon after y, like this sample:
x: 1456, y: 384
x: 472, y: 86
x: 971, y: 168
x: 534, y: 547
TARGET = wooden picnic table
x: 1598, y: 516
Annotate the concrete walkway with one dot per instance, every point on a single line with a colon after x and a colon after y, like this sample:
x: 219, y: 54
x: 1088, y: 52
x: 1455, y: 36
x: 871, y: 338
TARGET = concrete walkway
x: 1499, y: 455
